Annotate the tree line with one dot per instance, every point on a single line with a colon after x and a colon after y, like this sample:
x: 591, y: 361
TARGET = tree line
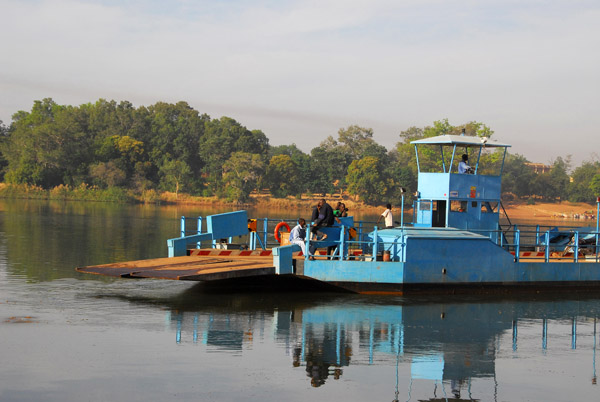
x: 172, y: 147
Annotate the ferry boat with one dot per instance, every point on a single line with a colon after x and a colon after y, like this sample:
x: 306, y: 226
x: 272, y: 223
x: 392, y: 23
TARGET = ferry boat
x: 454, y: 243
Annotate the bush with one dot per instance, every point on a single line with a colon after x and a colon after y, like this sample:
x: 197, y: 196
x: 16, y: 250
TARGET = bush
x: 150, y: 196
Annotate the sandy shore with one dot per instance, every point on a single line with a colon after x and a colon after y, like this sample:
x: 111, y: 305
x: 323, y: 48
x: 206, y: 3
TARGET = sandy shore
x: 564, y: 210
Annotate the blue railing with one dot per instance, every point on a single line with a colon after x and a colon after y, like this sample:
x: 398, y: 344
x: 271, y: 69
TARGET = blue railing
x: 527, y: 242
x: 264, y: 236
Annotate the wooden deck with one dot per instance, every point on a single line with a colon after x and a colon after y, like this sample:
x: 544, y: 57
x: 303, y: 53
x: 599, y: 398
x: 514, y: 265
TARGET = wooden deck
x: 192, y: 268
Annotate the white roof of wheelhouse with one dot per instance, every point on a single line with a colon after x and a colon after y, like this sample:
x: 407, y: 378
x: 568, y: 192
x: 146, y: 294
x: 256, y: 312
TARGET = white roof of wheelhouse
x: 462, y: 140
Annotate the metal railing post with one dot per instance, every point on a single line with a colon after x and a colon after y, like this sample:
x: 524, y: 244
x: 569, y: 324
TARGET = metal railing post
x: 375, y: 245
x: 199, y: 231
x: 360, y: 229
x: 517, y: 244
x: 402, y: 212
x: 265, y: 230
x: 307, y: 241
x: 182, y: 226
x: 576, y: 247
x: 547, y: 243
x: 342, y: 242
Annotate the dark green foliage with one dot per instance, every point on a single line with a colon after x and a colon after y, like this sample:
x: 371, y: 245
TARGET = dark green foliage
x: 241, y: 174
x: 115, y: 150
x: 221, y: 139
x: 282, y: 177
x: 518, y: 177
x: 365, y: 179
x: 584, y: 187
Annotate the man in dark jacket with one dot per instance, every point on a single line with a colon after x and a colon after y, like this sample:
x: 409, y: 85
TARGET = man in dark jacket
x: 322, y: 216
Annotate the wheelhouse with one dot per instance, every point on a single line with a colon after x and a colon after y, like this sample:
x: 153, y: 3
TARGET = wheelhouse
x: 447, y: 198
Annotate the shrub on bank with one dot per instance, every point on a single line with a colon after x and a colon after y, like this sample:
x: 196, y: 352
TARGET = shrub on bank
x: 22, y: 191
x: 82, y: 192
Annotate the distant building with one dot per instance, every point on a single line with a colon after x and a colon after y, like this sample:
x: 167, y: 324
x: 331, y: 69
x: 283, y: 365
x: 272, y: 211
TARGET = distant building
x: 539, y: 168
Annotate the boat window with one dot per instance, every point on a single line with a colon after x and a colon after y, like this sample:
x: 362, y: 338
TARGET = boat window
x: 430, y: 159
x: 458, y: 206
x: 489, y: 207
x: 490, y: 163
x: 425, y: 205
x: 473, y: 204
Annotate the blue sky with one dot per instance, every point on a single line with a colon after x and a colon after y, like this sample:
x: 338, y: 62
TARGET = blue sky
x: 300, y: 70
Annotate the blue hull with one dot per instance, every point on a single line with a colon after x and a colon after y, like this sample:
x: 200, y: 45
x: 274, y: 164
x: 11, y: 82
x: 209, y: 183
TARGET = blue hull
x: 446, y: 259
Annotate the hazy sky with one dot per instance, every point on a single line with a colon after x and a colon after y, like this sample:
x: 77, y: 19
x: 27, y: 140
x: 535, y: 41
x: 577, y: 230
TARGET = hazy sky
x: 300, y: 70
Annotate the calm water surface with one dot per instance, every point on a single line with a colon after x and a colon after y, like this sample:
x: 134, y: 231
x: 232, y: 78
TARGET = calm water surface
x: 66, y: 336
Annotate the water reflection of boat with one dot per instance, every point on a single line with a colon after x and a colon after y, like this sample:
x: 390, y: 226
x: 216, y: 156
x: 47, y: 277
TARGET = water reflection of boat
x: 450, y: 345
x: 455, y: 242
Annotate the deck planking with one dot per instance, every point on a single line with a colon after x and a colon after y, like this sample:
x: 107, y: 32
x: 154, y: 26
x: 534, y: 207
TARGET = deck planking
x: 195, y: 268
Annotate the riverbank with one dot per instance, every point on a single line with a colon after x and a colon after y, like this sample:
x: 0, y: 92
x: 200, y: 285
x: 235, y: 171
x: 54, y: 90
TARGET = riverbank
x: 515, y: 209
x: 545, y: 210
x: 519, y: 210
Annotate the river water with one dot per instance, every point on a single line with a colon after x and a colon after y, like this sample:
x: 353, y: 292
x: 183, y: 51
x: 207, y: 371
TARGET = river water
x: 66, y: 336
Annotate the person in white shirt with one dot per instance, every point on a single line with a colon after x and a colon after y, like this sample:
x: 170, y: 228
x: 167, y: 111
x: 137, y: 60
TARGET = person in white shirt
x: 387, y: 215
x: 298, y: 235
x: 463, y: 166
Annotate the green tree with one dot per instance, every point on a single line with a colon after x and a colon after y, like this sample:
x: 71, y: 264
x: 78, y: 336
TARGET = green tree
x: 581, y: 189
x: 3, y: 140
x: 595, y: 185
x: 544, y: 187
x: 175, y: 132
x: 357, y: 142
x: 366, y: 181
x: 400, y: 177
x: 175, y: 174
x: 553, y: 184
x: 48, y: 146
x: 282, y: 176
x: 242, y: 173
x: 302, y: 162
x: 221, y: 139
x: 328, y: 169
x: 107, y: 174
x: 560, y: 176
x: 124, y: 152
x: 517, y: 178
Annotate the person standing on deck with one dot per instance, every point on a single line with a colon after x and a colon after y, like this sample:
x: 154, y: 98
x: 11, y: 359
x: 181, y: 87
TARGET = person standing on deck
x: 298, y: 235
x: 387, y: 215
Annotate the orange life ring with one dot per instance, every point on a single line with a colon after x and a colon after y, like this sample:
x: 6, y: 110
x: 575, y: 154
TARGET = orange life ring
x: 279, y: 226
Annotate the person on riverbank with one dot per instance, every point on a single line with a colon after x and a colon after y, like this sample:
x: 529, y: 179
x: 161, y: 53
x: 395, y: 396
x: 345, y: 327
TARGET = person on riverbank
x: 298, y: 235
x: 387, y: 215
